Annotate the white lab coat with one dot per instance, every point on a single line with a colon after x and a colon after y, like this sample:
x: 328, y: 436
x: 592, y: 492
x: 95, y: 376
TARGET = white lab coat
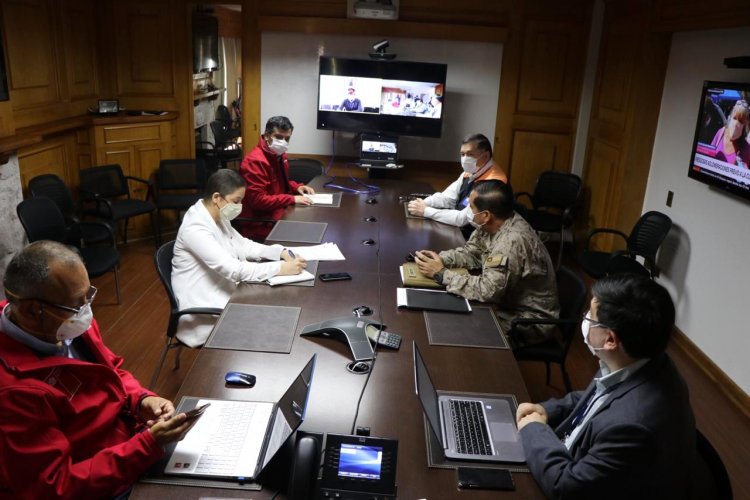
x: 210, y: 260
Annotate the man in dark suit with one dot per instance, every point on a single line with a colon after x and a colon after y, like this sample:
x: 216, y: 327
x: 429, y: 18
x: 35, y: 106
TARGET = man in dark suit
x: 631, y: 433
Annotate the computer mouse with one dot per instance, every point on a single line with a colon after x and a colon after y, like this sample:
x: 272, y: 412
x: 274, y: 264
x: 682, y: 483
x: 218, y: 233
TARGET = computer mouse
x: 368, y: 242
x: 371, y: 219
x: 362, y: 311
x: 239, y: 378
x: 371, y: 201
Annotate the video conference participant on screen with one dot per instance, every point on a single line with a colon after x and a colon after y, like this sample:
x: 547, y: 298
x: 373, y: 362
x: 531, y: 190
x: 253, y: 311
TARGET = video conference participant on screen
x: 731, y: 141
x: 452, y: 205
x: 516, y: 272
x: 266, y: 172
x: 351, y: 103
x: 631, y: 433
x: 73, y: 423
x: 211, y: 258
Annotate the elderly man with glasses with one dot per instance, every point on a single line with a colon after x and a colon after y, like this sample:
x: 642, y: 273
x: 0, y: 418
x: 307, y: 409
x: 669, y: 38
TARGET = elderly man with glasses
x: 631, y: 433
x: 73, y: 423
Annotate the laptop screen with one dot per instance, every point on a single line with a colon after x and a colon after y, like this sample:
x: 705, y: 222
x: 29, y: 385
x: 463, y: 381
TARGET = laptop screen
x: 426, y: 392
x: 379, y: 148
x: 291, y: 410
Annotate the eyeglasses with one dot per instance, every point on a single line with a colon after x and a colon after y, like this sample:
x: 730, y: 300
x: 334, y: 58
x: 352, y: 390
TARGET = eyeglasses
x: 593, y: 321
x: 90, y: 296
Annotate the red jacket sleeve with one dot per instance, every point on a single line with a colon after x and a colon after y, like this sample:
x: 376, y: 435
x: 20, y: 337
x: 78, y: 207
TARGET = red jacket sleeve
x: 259, y: 185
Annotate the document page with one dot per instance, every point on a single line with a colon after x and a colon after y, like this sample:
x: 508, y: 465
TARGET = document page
x: 326, y: 251
x: 293, y: 278
x: 321, y: 198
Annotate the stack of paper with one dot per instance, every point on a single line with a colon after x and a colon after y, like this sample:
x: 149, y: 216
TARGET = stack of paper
x: 293, y: 278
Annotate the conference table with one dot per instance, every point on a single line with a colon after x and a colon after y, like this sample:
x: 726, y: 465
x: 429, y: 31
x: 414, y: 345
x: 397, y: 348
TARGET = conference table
x: 389, y: 405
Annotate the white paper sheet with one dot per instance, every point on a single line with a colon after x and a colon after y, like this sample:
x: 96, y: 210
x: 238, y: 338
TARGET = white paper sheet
x: 325, y: 251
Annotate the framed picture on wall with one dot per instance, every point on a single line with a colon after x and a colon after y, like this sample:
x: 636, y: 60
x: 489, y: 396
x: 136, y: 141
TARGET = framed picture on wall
x: 3, y: 76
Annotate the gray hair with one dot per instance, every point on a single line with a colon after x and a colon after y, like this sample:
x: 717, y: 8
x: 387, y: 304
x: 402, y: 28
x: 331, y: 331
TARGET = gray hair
x: 28, y: 272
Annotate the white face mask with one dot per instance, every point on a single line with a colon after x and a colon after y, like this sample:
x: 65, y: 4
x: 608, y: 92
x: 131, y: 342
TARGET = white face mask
x: 230, y: 211
x: 585, y: 327
x: 278, y: 146
x: 735, y: 128
x: 469, y: 164
x: 76, y: 325
x: 475, y: 225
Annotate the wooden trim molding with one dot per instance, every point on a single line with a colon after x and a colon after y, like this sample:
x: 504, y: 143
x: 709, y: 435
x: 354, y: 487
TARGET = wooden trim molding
x: 703, y: 363
x: 382, y: 28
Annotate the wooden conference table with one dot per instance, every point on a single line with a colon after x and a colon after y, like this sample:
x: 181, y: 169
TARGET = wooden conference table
x: 389, y: 407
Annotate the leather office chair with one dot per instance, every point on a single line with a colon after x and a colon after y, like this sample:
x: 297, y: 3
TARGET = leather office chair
x: 572, y: 295
x: 42, y: 220
x: 106, y: 187
x: 52, y: 187
x: 224, y: 116
x: 304, y: 170
x: 710, y: 479
x: 179, y: 184
x: 163, y: 263
x: 554, y: 203
x: 225, y: 146
x: 643, y: 241
x: 206, y: 151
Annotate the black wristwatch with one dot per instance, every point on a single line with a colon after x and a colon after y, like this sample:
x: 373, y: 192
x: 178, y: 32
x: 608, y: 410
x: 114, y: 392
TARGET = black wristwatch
x: 439, y: 276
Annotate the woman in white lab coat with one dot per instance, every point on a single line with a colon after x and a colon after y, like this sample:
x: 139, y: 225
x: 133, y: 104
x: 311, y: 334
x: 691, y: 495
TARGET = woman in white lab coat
x: 211, y: 258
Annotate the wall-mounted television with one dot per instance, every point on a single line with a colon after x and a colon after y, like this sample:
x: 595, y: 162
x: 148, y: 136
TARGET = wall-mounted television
x: 385, y: 97
x: 721, y: 147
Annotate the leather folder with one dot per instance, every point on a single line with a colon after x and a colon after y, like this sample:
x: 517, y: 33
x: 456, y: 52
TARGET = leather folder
x: 411, y: 276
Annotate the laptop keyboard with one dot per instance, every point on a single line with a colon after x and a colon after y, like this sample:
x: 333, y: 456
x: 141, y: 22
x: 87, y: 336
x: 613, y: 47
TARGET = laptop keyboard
x: 470, y: 427
x: 223, y: 447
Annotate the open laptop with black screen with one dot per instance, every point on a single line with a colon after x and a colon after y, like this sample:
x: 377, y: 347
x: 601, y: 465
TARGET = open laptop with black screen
x: 237, y: 439
x: 452, y: 419
x: 378, y: 151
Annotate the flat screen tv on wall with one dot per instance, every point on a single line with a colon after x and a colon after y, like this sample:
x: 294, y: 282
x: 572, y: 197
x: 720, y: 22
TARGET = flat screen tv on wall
x: 721, y: 147
x: 387, y: 97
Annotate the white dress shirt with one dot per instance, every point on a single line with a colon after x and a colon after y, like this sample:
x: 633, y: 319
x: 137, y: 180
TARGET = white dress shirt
x: 210, y: 260
x: 441, y: 206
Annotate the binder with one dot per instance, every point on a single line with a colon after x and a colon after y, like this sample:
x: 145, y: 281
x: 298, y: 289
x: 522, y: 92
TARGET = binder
x: 431, y: 300
x: 410, y: 276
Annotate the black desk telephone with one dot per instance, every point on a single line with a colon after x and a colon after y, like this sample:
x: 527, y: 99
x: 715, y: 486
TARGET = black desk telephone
x: 354, y: 468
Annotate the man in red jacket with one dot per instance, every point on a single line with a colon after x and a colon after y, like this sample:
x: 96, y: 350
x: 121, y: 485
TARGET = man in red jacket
x: 266, y: 172
x: 73, y: 423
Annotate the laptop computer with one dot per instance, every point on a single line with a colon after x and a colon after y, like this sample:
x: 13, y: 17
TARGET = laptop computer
x: 468, y: 428
x: 378, y: 151
x: 237, y: 439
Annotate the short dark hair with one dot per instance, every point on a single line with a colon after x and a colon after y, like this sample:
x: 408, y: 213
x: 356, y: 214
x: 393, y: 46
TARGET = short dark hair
x: 28, y: 272
x: 639, y: 310
x: 279, y: 122
x: 225, y: 181
x: 483, y: 144
x: 495, y: 196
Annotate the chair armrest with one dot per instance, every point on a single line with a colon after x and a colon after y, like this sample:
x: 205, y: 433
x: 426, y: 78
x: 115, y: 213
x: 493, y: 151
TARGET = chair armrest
x: 98, y: 199
x: 139, y: 179
x: 148, y: 183
x: 527, y: 195
x: 604, y: 230
x: 653, y: 270
x: 214, y: 311
x: 102, y: 224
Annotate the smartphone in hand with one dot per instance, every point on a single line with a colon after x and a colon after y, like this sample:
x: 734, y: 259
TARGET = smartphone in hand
x: 196, y: 413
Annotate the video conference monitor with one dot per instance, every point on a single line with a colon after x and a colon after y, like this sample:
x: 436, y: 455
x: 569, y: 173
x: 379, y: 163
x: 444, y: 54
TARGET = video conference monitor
x: 387, y: 97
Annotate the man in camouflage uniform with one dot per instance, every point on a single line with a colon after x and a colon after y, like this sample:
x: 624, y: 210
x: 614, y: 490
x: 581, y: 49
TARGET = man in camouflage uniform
x: 517, y: 273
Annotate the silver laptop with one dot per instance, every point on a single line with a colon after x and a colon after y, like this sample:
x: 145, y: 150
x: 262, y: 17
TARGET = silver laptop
x: 377, y: 151
x: 237, y: 439
x: 468, y: 428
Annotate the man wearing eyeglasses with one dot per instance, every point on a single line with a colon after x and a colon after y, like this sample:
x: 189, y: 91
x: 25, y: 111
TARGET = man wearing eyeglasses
x: 73, y: 424
x: 631, y: 433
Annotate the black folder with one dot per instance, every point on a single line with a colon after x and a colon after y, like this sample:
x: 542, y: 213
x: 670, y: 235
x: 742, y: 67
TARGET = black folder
x: 432, y: 300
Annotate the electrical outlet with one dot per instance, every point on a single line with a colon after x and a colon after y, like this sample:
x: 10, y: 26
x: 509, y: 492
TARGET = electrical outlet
x: 670, y: 197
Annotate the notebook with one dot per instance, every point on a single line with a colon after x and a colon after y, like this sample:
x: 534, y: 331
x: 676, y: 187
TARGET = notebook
x: 432, y: 300
x: 378, y: 151
x: 237, y: 439
x: 481, y: 429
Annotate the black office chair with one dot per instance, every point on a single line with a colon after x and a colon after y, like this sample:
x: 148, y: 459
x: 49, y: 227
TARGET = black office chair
x: 163, y: 263
x: 226, y: 147
x: 106, y: 187
x: 42, y: 220
x: 224, y: 116
x: 303, y: 170
x: 206, y: 151
x: 643, y: 241
x: 52, y: 187
x: 554, y: 203
x: 710, y: 480
x: 572, y: 295
x: 179, y: 184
